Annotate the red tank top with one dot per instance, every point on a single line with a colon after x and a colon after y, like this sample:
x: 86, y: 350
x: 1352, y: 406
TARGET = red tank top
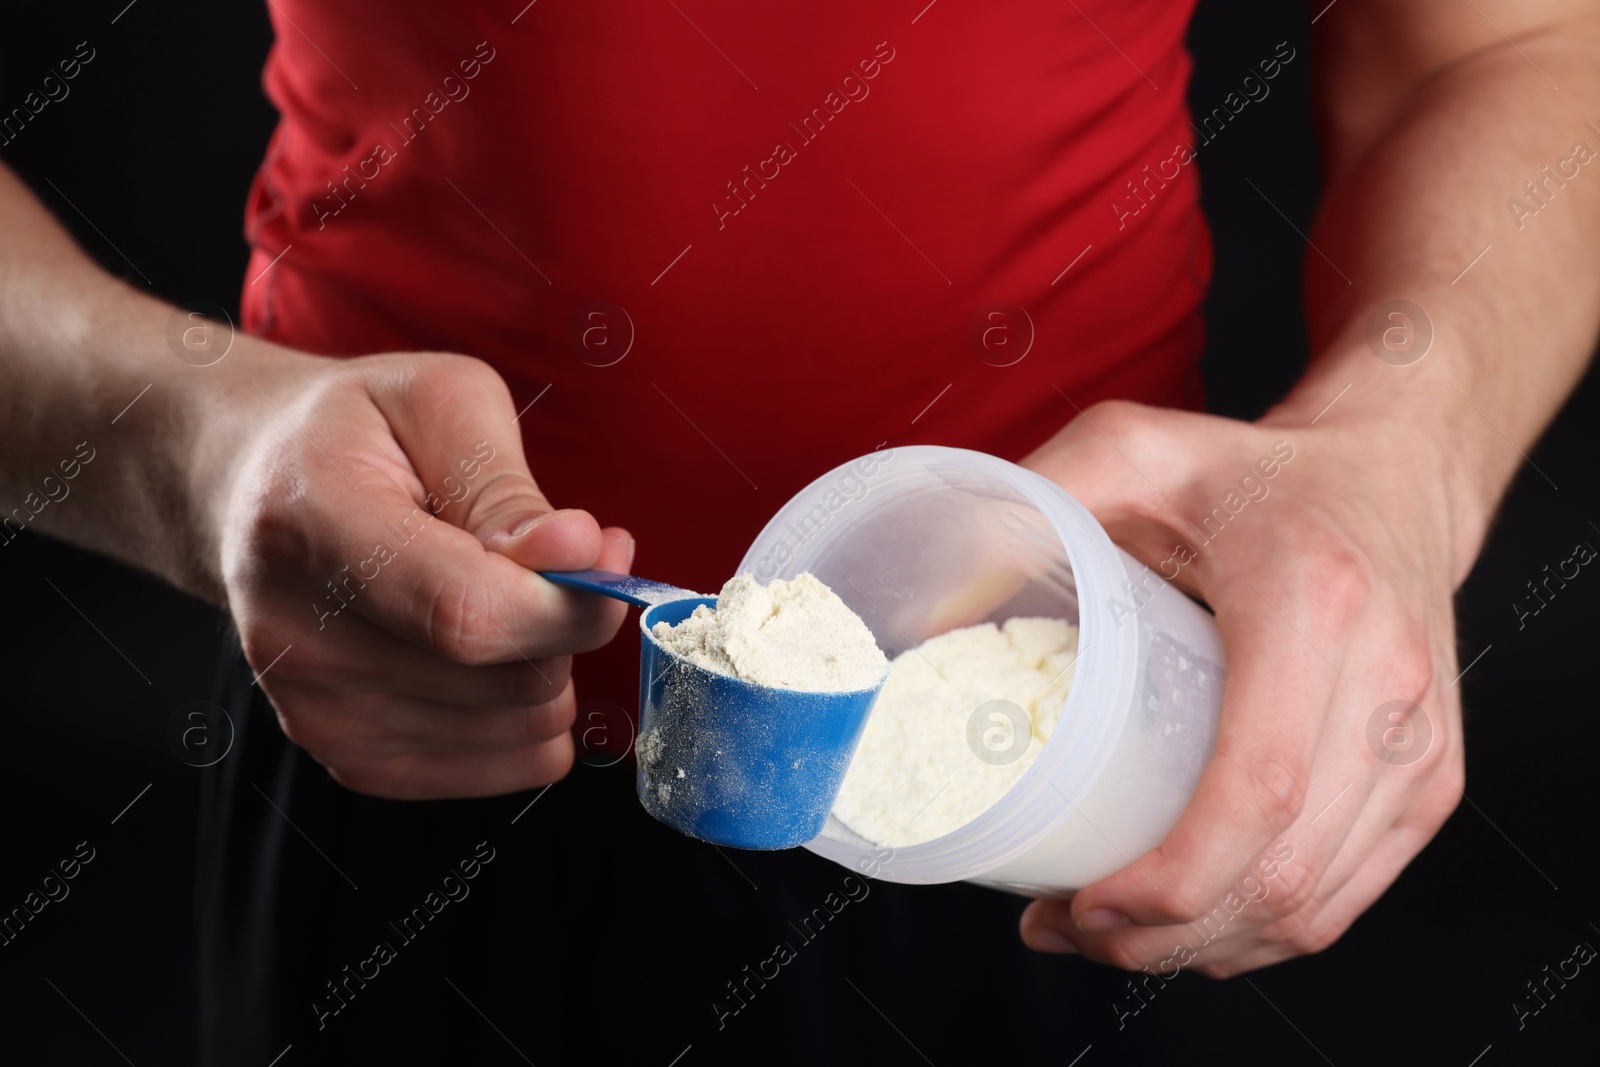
x: 729, y: 246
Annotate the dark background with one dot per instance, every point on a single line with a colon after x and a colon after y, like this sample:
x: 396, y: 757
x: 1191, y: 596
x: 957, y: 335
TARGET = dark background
x: 157, y: 143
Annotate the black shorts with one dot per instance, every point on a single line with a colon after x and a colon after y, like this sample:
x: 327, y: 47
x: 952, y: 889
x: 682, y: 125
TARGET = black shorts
x: 360, y: 930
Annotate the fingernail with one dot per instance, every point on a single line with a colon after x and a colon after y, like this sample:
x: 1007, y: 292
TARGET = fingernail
x: 1099, y: 920
x: 1045, y: 939
x: 526, y: 524
x: 633, y: 546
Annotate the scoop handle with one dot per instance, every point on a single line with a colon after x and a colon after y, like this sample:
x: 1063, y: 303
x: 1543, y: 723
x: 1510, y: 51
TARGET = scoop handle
x: 640, y: 592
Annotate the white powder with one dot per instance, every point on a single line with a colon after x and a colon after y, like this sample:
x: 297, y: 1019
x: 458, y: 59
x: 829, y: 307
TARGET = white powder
x: 916, y: 774
x: 794, y: 634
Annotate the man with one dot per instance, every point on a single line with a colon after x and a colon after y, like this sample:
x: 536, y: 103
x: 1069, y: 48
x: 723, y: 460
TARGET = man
x: 738, y: 249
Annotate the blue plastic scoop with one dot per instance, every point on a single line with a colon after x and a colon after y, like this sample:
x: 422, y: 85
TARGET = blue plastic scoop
x: 721, y: 759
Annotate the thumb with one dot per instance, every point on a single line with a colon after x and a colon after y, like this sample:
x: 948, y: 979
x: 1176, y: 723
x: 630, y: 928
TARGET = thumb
x: 1133, y: 467
x: 454, y: 419
x: 1129, y: 464
x: 1108, y: 459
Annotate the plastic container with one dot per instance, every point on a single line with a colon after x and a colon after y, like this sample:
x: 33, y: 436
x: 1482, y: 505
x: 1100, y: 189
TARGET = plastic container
x: 924, y: 539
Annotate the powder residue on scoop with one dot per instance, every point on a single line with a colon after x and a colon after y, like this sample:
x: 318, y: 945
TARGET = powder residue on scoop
x: 789, y: 634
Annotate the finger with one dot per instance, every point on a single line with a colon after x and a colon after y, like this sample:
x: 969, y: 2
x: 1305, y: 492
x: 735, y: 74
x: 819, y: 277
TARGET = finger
x: 344, y: 732
x: 616, y: 550
x: 453, y: 417
x: 1047, y: 926
x: 1260, y: 909
x: 1275, y: 701
x: 1414, y: 799
x: 1280, y: 904
x: 1114, y: 457
x: 353, y: 655
x: 1347, y: 808
x: 1235, y: 919
x: 433, y: 726
x: 452, y: 479
x: 441, y: 775
x: 1355, y: 797
x: 1324, y: 925
x: 1120, y: 459
x: 430, y: 583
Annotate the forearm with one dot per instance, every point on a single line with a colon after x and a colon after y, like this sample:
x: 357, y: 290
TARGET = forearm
x: 1411, y: 201
x: 77, y: 348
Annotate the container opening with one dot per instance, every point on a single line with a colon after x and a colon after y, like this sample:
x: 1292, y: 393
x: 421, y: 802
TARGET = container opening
x: 938, y: 547
x: 930, y: 547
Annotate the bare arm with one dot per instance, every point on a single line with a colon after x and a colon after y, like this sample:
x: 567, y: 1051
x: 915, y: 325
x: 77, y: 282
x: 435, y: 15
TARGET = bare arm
x: 1432, y: 124
x: 1334, y: 594
x: 76, y: 348
x: 371, y: 521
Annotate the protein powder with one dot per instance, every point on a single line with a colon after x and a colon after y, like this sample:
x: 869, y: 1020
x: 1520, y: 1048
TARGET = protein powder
x: 962, y: 716
x: 794, y: 634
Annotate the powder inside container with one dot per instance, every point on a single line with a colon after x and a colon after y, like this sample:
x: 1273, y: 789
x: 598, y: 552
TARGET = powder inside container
x: 916, y: 775
x: 794, y: 634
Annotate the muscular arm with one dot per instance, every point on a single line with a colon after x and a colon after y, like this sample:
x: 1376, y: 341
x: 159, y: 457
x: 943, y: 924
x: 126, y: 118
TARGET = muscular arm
x: 439, y: 663
x: 76, y: 347
x: 1431, y: 121
x: 1334, y: 596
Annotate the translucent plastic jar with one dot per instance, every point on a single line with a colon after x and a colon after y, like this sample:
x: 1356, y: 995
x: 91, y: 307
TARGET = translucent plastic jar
x: 924, y: 539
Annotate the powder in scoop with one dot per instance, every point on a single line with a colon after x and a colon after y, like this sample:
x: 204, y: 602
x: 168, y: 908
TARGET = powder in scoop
x: 916, y: 774
x: 794, y: 634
